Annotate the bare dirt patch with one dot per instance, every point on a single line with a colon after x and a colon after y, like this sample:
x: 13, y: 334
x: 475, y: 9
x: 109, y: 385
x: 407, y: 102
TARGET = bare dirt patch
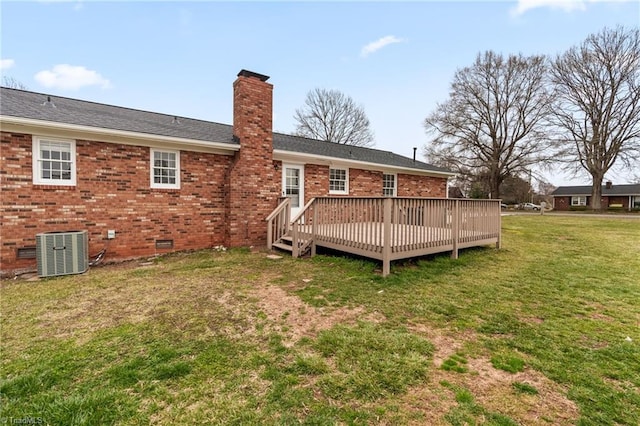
x: 445, y: 344
x: 295, y: 319
x: 492, y: 388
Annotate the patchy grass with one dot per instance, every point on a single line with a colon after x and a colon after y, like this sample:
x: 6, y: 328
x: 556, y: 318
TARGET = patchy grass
x: 456, y: 362
x: 544, y: 331
x: 506, y: 362
x: 522, y: 387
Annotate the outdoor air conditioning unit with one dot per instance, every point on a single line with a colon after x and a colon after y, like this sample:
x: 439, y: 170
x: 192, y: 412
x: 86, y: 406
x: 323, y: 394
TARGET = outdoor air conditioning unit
x: 62, y: 253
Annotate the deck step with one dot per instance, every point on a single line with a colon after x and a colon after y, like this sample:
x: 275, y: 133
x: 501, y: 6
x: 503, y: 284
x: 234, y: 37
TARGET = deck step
x: 282, y: 246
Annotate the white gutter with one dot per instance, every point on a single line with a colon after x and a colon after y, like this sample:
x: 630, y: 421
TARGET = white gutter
x: 29, y: 125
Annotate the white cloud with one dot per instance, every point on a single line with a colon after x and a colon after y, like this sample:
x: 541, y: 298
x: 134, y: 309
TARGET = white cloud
x: 564, y: 5
x: 64, y: 76
x: 374, y: 46
x: 5, y: 64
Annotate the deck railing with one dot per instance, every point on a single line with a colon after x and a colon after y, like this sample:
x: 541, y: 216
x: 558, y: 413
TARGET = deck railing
x: 394, y: 228
x: 278, y: 222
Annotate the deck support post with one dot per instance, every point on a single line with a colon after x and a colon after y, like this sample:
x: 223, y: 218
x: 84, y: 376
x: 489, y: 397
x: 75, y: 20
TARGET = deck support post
x: 455, y: 228
x: 386, y: 241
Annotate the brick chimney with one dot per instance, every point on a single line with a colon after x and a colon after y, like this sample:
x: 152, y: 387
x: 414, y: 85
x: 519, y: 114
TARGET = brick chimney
x: 253, y: 186
x: 609, y: 184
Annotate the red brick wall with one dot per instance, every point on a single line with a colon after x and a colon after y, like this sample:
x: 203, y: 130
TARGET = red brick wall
x: 253, y: 183
x: 112, y: 192
x: 367, y: 183
x: 421, y: 186
x: 561, y: 203
x: 564, y: 203
x: 316, y: 181
x: 616, y: 200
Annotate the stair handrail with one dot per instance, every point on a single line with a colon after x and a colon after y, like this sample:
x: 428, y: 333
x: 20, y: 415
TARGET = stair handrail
x: 299, y: 246
x: 280, y: 215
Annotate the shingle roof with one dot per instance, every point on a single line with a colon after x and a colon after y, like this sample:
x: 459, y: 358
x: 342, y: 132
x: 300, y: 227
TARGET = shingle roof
x: 31, y: 105
x: 348, y: 152
x: 21, y: 103
x: 621, y: 190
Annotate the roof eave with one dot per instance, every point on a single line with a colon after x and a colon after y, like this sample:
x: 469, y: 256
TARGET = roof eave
x: 52, y: 128
x: 283, y: 155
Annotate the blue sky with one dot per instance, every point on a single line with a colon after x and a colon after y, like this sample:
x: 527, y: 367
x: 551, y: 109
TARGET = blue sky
x: 396, y: 59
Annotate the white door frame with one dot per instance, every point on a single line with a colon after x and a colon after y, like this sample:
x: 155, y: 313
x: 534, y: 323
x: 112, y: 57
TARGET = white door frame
x: 300, y: 204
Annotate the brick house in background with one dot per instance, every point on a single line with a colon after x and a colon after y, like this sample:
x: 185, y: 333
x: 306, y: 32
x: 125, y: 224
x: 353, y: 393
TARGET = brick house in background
x: 626, y: 197
x: 68, y: 164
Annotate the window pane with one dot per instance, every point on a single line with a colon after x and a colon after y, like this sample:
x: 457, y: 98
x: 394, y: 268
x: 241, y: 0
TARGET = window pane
x: 165, y: 168
x: 388, y: 185
x: 62, y: 167
x: 337, y: 180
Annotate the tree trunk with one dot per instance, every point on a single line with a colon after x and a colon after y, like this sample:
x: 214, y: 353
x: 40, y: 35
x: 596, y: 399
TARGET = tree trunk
x: 596, y: 193
x: 494, y: 183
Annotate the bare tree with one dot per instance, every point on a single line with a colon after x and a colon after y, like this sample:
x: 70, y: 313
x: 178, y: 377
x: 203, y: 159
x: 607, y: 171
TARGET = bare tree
x: 515, y: 189
x: 598, y: 103
x: 12, y: 83
x: 494, y: 121
x: 331, y: 116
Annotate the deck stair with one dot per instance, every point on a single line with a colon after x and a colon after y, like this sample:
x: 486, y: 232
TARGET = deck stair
x: 285, y: 243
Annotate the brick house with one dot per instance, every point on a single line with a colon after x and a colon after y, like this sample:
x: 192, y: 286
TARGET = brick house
x: 626, y: 197
x: 165, y: 183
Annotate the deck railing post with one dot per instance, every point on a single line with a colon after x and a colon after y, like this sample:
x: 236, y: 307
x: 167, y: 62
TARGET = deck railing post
x: 270, y: 234
x: 455, y: 228
x: 498, y: 225
x: 294, y: 240
x: 314, y: 228
x: 386, y: 241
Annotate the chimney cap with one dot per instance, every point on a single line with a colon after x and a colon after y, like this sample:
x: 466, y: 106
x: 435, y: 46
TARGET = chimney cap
x: 245, y: 73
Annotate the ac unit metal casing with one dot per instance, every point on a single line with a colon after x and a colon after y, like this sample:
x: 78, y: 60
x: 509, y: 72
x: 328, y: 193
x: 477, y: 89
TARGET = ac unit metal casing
x: 62, y: 253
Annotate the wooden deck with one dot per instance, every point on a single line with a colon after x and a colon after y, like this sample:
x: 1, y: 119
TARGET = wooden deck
x: 388, y: 229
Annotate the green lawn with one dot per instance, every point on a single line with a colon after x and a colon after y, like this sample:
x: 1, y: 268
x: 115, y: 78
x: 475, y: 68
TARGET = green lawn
x: 544, y: 331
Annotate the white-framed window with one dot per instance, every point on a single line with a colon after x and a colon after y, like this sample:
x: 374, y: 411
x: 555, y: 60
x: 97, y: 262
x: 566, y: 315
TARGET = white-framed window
x: 389, y: 185
x: 636, y: 202
x: 579, y: 200
x: 54, y: 161
x: 165, y: 168
x: 339, y: 181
